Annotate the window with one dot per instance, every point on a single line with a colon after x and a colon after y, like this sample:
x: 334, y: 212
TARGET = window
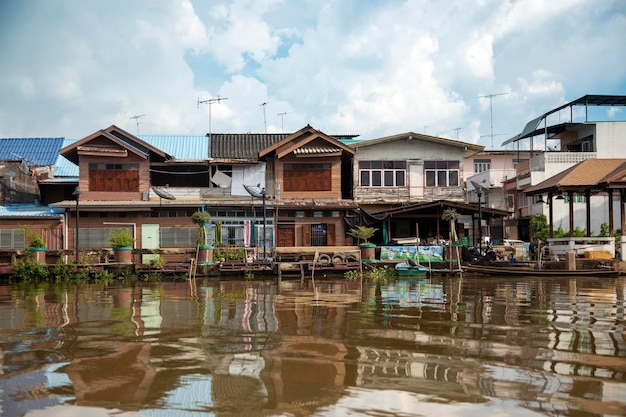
x: 307, y: 177
x: 482, y: 165
x: 575, y: 198
x: 442, y: 173
x: 318, y: 235
x: 113, y: 177
x: 95, y: 237
x: 178, y: 237
x: 382, y: 173
x: 12, y: 239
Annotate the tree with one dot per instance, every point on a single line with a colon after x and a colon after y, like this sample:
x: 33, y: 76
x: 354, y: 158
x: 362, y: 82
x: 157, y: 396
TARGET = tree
x: 539, y: 227
x: 363, y: 233
x: 451, y: 216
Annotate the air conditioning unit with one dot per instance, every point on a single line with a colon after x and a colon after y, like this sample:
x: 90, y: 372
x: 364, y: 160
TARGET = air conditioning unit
x: 145, y: 196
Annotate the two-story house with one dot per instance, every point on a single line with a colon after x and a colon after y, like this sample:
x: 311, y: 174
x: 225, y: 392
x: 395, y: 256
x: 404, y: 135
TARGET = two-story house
x: 407, y: 180
x: 250, y: 183
x: 309, y: 180
x: 551, y: 146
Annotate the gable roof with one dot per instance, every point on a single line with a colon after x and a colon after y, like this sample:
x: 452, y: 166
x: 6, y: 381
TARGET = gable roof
x: 469, y: 149
x: 35, y: 152
x: 126, y: 141
x: 247, y: 146
x: 589, y: 174
x: 300, y: 142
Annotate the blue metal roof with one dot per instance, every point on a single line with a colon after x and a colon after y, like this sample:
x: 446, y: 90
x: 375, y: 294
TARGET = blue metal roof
x: 29, y: 211
x: 34, y: 151
x: 181, y: 147
x: 65, y: 168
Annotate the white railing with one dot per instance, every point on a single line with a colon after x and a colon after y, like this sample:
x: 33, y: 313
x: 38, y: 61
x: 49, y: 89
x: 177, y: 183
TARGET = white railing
x: 539, y: 162
x: 560, y: 246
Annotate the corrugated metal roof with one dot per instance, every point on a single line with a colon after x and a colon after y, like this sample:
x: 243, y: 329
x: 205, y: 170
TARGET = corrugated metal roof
x: 29, y: 211
x: 65, y: 168
x: 34, y: 151
x: 248, y: 145
x: 181, y: 147
x: 242, y: 145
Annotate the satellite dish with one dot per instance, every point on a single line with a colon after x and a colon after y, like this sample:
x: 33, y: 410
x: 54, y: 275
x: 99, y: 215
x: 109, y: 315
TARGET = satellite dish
x: 163, y: 193
x: 479, y: 187
x: 252, y: 191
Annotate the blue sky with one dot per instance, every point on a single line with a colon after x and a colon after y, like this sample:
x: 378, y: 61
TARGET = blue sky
x: 373, y: 68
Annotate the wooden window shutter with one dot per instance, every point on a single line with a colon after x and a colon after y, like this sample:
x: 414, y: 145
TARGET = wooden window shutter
x: 330, y: 234
x: 306, y: 235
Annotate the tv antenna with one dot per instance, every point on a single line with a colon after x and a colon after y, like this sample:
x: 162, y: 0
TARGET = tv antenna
x: 210, y: 102
x: 282, y: 119
x: 490, y: 97
x: 137, y: 120
x: 458, y: 129
x: 264, y: 119
x: 492, y: 136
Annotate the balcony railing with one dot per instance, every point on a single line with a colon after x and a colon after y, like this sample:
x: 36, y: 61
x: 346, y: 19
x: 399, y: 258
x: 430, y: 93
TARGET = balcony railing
x: 539, y: 162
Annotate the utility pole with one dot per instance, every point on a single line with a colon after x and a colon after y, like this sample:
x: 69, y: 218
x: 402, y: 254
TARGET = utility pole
x: 137, y: 120
x: 210, y: 103
x: 490, y: 97
x: 282, y: 120
x: 264, y: 119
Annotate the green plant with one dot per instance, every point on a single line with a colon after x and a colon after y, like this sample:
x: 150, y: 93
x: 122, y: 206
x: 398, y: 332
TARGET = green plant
x: 33, y: 238
x: 539, y: 227
x: 354, y: 274
x: 157, y: 260
x: 27, y: 269
x: 218, y: 233
x: 121, y: 237
x: 363, y: 233
x: 578, y: 232
x: 382, y: 273
x: 452, y: 216
x: 604, y: 229
x: 202, y: 218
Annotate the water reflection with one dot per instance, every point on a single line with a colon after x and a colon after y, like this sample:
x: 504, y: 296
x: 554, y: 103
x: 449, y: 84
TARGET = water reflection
x: 445, y: 346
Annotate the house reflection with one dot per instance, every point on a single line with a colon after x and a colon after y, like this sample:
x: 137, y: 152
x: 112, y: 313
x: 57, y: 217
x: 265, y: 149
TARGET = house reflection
x: 295, y: 347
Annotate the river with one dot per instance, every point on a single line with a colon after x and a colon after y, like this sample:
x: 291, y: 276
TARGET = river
x: 440, y: 346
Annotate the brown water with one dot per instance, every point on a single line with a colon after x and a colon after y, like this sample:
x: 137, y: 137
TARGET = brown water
x: 438, y: 347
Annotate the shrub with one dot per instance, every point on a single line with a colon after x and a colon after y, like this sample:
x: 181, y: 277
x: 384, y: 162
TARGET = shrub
x: 121, y: 238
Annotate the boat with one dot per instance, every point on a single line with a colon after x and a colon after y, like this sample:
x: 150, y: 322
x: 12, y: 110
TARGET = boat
x: 533, y: 272
x: 410, y: 267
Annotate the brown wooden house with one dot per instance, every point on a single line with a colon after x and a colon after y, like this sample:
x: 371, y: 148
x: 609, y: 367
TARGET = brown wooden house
x: 309, y: 178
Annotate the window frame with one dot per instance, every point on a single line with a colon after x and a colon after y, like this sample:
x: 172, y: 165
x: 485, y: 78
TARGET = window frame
x: 436, y: 172
x: 378, y: 173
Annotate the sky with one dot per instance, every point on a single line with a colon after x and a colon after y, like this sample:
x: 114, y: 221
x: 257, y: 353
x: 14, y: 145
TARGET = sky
x: 471, y: 70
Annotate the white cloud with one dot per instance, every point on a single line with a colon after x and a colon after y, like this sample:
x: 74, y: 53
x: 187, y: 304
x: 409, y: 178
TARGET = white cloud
x: 376, y: 68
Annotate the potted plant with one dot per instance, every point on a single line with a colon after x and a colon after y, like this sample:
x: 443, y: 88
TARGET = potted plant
x: 122, y: 240
x: 204, y: 255
x: 36, y: 245
x: 363, y: 234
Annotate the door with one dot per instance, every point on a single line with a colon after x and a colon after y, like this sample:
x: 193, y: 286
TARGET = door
x: 286, y: 235
x: 149, y: 240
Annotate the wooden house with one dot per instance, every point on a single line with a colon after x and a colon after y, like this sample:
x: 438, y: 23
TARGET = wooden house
x: 309, y: 178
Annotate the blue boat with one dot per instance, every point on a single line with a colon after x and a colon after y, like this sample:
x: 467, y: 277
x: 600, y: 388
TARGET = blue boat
x: 410, y: 267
